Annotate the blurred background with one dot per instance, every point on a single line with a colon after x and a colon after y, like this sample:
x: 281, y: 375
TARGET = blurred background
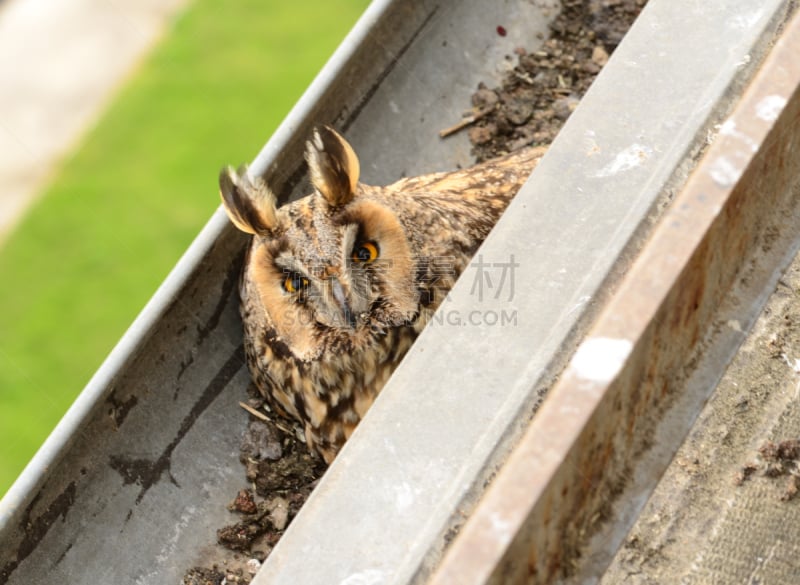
x: 113, y: 128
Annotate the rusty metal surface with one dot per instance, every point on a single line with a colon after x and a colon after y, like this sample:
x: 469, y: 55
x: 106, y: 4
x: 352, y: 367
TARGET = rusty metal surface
x: 690, y: 531
x: 562, y: 486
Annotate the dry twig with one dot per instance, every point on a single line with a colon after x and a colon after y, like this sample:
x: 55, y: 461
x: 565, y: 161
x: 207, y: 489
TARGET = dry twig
x: 253, y: 411
x: 468, y: 121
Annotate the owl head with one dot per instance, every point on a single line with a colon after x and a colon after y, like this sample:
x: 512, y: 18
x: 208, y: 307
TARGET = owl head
x: 336, y: 265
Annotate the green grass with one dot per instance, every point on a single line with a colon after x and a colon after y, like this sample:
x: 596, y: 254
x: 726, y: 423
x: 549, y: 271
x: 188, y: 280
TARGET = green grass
x: 121, y: 211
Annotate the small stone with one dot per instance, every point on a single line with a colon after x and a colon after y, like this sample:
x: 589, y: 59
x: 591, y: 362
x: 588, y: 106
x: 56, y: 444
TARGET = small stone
x: 202, y: 576
x: 484, y: 98
x: 769, y: 451
x: 261, y: 441
x: 251, y: 470
x: 591, y: 67
x: 519, y: 111
x: 564, y: 106
x: 279, y: 512
x: 245, y: 503
x: 789, y: 450
x: 255, y: 403
x: 745, y: 473
x: 600, y: 55
x: 240, y: 536
x: 253, y: 565
x: 482, y: 134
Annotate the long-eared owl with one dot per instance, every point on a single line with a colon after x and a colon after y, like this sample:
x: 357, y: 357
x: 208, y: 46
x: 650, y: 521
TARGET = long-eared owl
x: 337, y: 285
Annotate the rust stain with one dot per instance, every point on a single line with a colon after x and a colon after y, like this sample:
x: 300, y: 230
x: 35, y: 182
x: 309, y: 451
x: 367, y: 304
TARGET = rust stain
x: 148, y: 472
x: 119, y: 409
x: 35, y: 528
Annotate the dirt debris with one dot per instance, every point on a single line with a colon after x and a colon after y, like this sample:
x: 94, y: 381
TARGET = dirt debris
x: 546, y: 85
x: 281, y: 472
x: 775, y: 460
x: 201, y: 576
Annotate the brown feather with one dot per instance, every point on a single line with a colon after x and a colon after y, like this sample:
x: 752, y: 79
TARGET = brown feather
x: 250, y: 204
x: 333, y: 166
x: 309, y: 363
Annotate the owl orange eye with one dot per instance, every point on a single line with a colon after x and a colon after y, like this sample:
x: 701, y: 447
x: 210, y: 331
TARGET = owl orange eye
x: 365, y: 253
x: 295, y: 283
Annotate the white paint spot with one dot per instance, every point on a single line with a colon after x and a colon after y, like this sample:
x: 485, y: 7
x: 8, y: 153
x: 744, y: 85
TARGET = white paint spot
x: 769, y: 108
x: 600, y: 358
x: 794, y: 364
x: 579, y: 305
x: 404, y: 497
x: 724, y: 172
x: 729, y: 129
x: 501, y: 528
x: 628, y: 159
x: 389, y: 446
x: 169, y: 548
x: 368, y: 577
x: 744, y: 61
x: 394, y: 107
x: 569, y: 410
x: 746, y: 21
x: 735, y: 325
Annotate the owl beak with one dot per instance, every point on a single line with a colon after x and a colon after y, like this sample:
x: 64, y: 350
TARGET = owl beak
x: 344, y: 305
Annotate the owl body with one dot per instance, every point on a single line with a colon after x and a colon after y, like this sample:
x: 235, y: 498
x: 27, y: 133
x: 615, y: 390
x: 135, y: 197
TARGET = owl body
x: 337, y: 285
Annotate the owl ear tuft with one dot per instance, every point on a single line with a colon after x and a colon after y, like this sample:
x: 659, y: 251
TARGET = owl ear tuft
x: 249, y: 203
x: 333, y: 165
